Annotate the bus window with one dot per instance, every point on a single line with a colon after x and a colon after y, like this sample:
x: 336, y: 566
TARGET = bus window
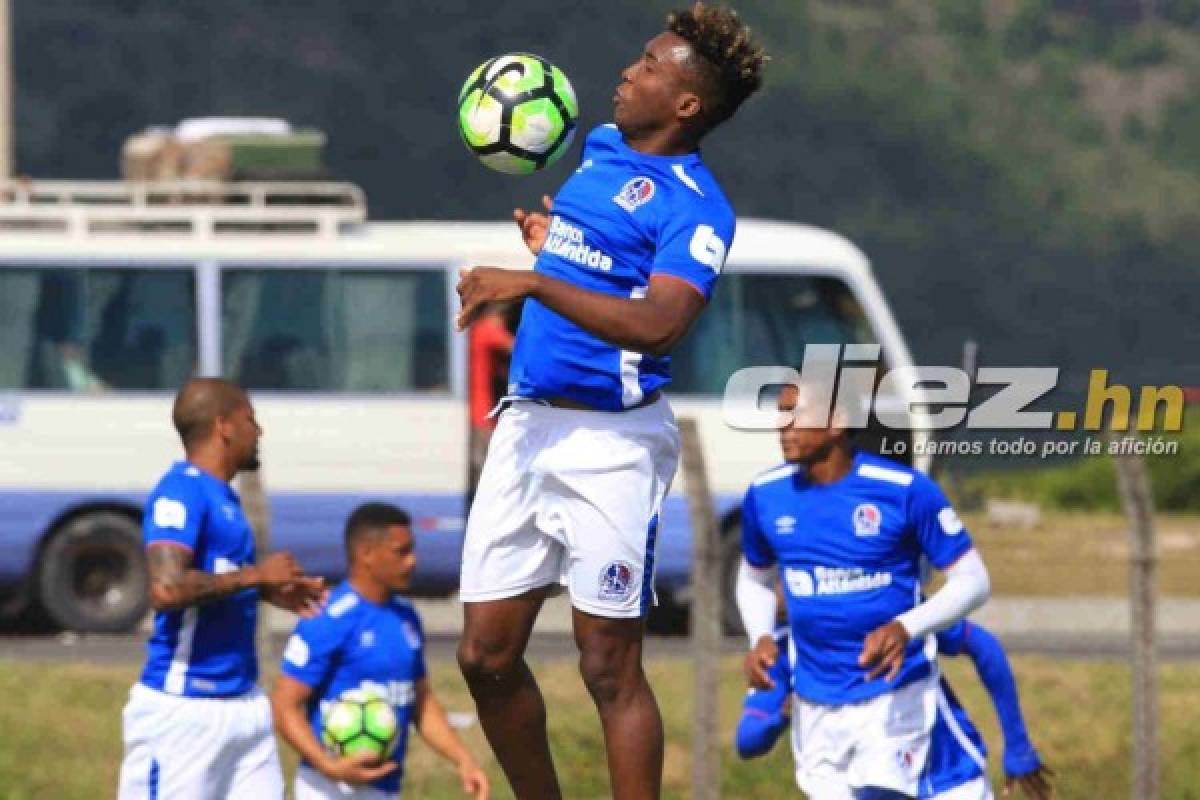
x: 335, y: 330
x: 764, y: 320
x: 96, y: 328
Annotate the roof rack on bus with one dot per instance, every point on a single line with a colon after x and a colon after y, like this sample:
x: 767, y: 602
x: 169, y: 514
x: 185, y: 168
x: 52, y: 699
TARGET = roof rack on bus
x: 195, y: 209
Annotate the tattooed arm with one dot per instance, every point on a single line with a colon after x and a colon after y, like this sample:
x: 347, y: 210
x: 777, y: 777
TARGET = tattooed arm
x: 175, y: 584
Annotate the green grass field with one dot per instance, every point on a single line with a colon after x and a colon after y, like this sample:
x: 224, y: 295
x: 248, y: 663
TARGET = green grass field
x: 62, y: 731
x: 1085, y: 554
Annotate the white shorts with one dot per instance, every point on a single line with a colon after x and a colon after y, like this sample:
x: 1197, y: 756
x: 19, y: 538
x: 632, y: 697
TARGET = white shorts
x: 571, y: 497
x: 197, y: 748
x: 312, y: 785
x: 882, y: 742
x: 978, y: 789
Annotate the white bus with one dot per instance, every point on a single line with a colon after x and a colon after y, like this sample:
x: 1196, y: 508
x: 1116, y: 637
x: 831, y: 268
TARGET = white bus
x: 112, y: 294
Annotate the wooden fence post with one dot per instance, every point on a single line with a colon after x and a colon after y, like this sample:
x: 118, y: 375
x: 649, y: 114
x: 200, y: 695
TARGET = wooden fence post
x: 705, y: 617
x: 258, y: 514
x: 1133, y: 483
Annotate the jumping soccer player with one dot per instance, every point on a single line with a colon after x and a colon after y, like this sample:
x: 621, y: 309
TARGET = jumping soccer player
x: 367, y: 637
x: 196, y: 725
x: 849, y: 530
x: 583, y: 455
x: 957, y: 765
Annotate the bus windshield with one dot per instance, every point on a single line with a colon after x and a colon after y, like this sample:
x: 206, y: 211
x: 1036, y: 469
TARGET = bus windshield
x: 757, y: 319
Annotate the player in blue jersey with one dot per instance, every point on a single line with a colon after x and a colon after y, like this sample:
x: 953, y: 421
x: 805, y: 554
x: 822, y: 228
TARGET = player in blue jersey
x: 848, y: 531
x: 956, y: 768
x: 367, y: 637
x: 581, y: 458
x: 196, y: 725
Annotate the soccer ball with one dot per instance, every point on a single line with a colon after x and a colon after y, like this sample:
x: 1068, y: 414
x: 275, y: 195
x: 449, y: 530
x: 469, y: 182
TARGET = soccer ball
x: 517, y: 113
x: 359, y: 722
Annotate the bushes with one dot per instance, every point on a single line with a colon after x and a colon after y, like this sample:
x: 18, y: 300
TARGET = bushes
x: 1089, y: 483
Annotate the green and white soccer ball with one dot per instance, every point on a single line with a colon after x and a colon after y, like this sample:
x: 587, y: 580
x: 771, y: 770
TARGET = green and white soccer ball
x: 359, y: 721
x: 517, y: 113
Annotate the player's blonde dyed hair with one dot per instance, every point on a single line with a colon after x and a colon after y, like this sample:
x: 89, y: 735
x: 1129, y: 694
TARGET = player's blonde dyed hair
x: 732, y: 62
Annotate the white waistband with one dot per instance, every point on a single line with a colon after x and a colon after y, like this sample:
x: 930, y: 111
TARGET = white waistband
x: 142, y: 690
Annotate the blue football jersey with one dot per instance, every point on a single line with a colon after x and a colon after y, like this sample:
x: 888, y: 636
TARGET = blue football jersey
x: 621, y: 218
x: 991, y: 664
x: 356, y: 644
x: 849, y: 555
x: 205, y: 650
x: 957, y: 753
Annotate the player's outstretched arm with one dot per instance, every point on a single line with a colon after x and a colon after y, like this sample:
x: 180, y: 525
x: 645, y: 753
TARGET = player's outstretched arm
x: 435, y: 729
x: 289, y: 701
x: 757, y: 603
x: 650, y: 324
x: 1038, y: 784
x: 1022, y: 765
x: 175, y: 584
x: 967, y: 588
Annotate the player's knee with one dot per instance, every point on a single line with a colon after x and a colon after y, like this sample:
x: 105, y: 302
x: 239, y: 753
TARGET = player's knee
x: 483, y: 662
x: 608, y: 673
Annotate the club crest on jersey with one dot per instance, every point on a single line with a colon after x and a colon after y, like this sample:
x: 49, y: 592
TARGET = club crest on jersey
x: 867, y: 519
x: 616, y: 581
x: 636, y: 192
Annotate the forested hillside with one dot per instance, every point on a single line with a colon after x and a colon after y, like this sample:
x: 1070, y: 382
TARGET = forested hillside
x: 1023, y: 172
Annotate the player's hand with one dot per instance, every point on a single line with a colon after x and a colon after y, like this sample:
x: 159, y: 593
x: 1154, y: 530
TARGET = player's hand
x: 359, y: 768
x: 883, y: 651
x: 1035, y: 785
x: 759, y: 661
x: 276, y: 570
x: 474, y: 781
x: 534, y: 225
x: 479, y: 286
x: 305, y: 596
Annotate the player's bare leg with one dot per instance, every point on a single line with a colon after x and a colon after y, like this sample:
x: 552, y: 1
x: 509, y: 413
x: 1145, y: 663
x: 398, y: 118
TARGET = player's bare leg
x: 491, y: 655
x: 610, y: 660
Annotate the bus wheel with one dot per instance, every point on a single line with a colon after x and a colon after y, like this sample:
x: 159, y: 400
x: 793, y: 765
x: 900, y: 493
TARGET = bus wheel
x: 92, y: 574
